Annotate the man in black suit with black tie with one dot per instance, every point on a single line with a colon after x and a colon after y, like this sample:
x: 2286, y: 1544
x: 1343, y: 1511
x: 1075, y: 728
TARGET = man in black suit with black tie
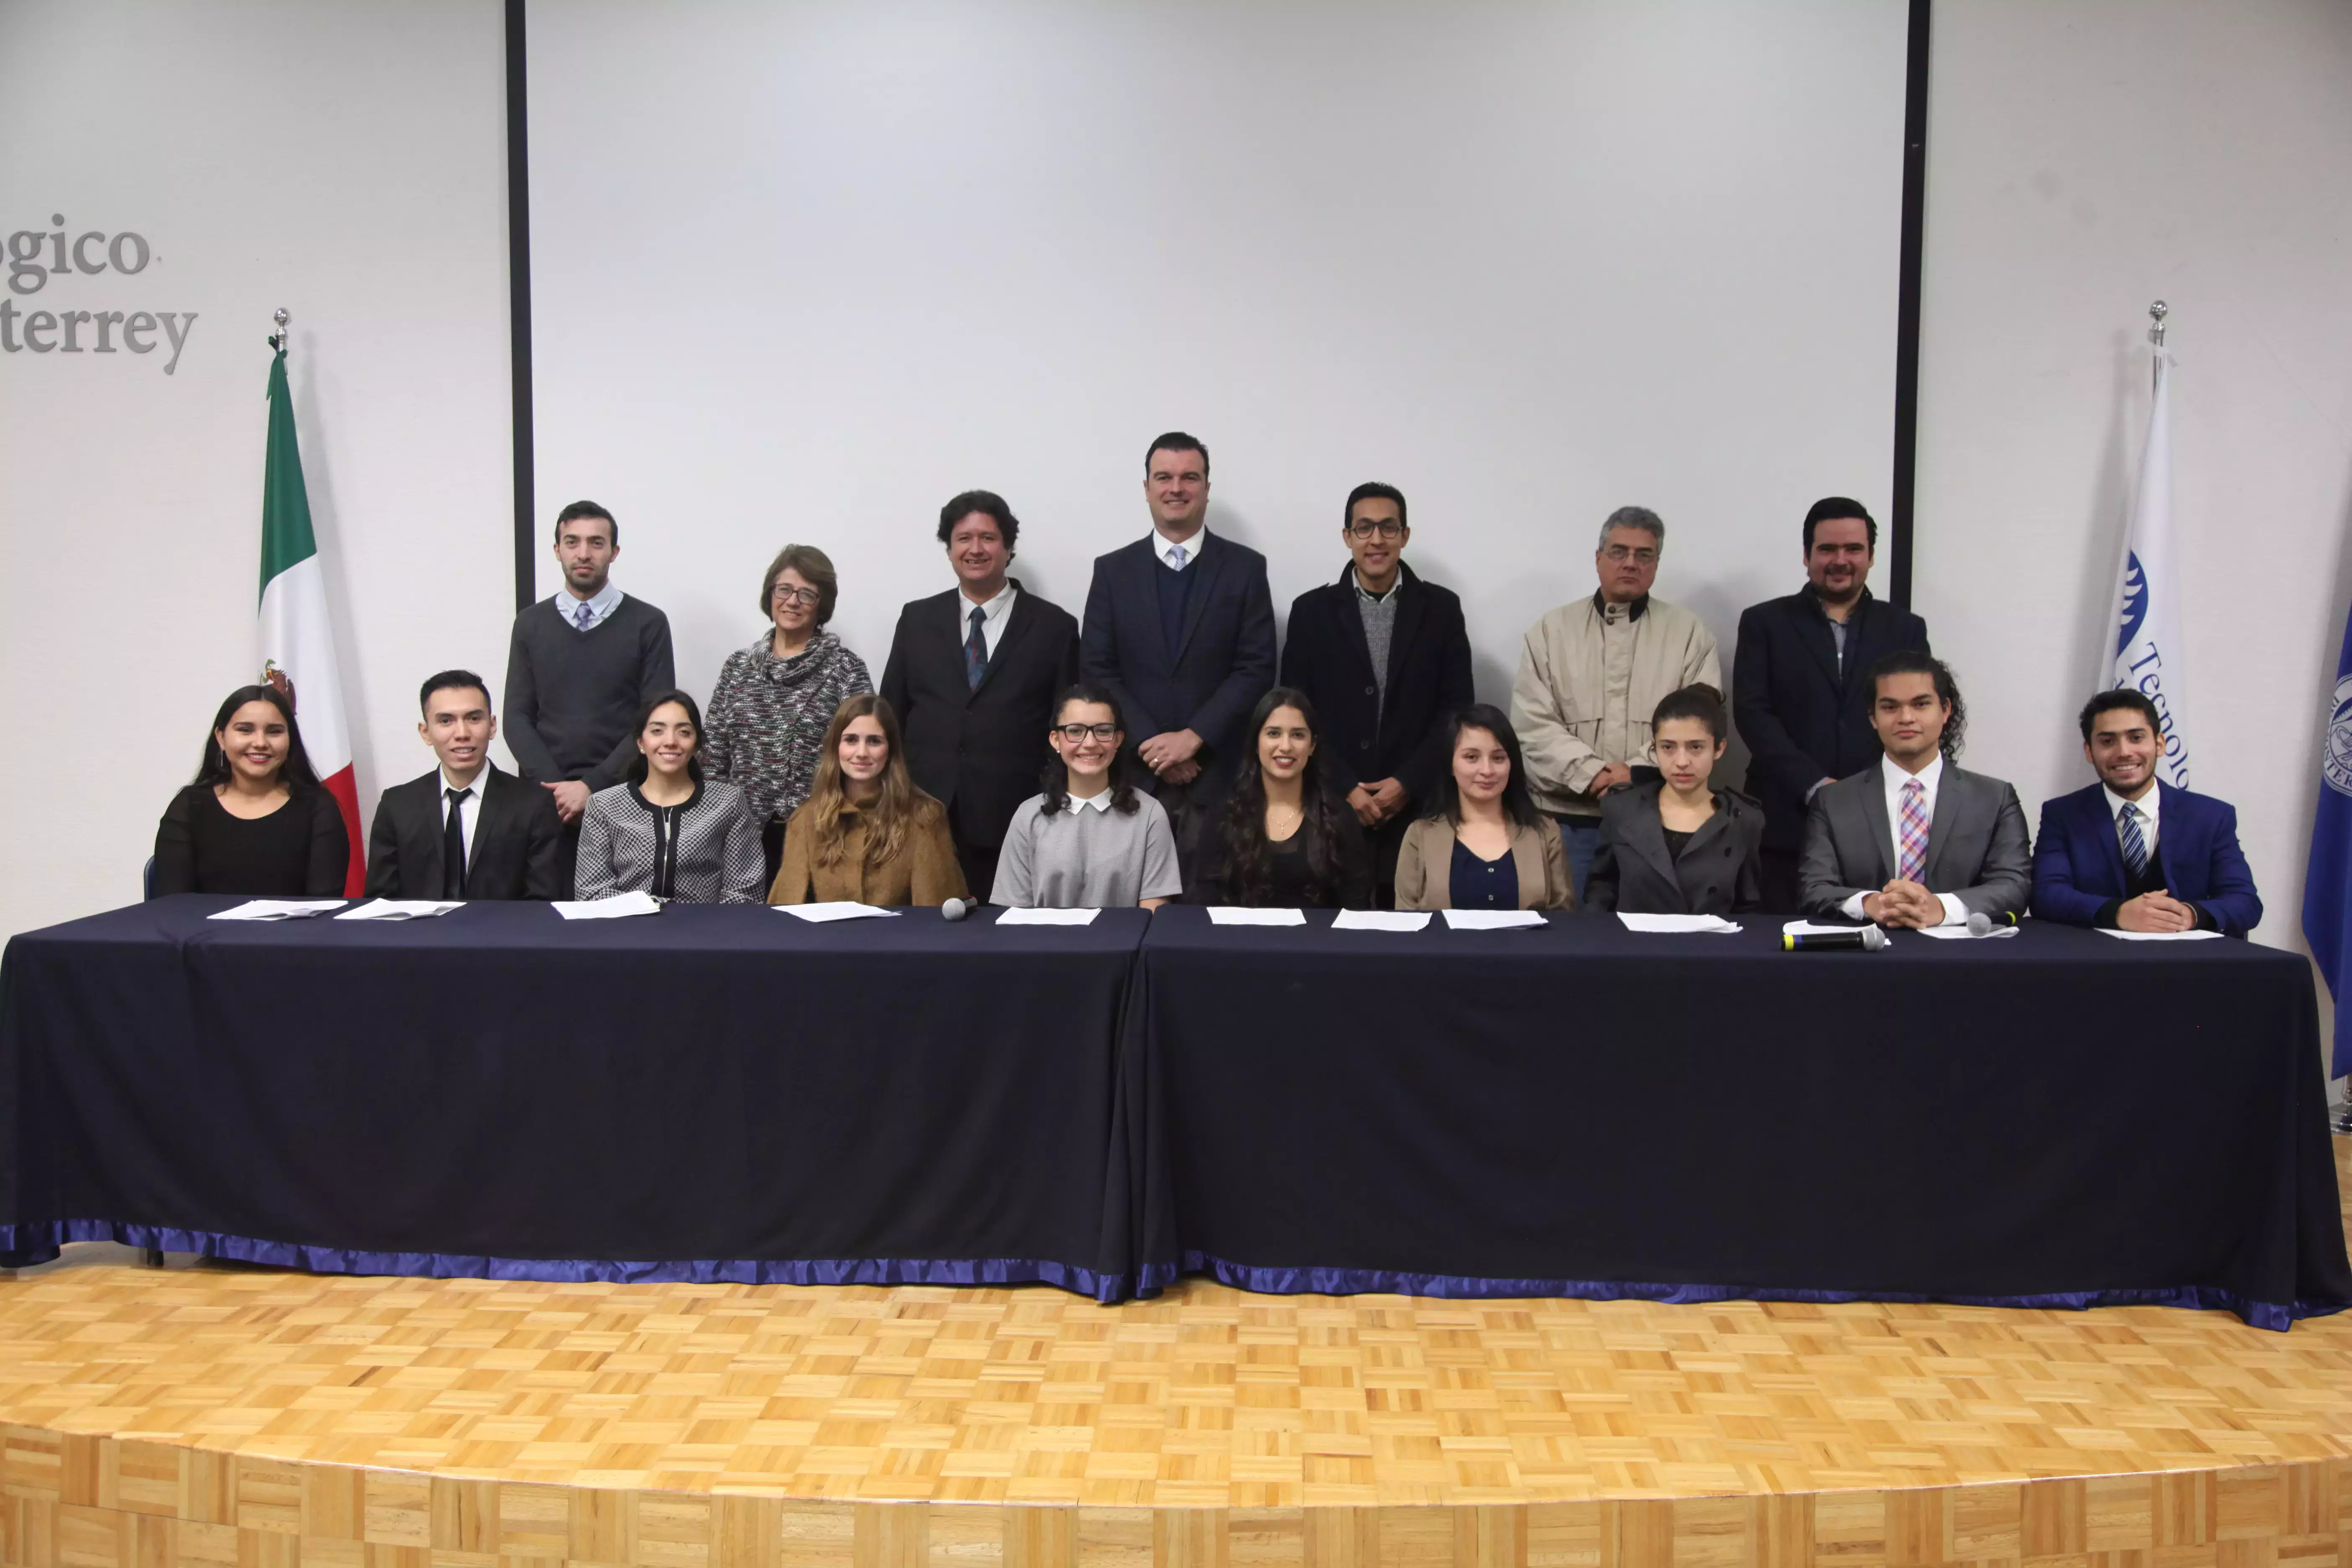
x: 972, y: 676
x: 1180, y: 625
x: 465, y: 830
x: 1801, y: 686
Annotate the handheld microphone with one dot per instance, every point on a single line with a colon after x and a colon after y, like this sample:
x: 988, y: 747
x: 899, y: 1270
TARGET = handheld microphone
x: 955, y: 908
x: 1868, y: 939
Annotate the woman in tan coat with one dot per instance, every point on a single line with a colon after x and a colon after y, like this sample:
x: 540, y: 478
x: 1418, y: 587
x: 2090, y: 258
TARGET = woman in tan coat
x: 1484, y: 846
x: 866, y: 833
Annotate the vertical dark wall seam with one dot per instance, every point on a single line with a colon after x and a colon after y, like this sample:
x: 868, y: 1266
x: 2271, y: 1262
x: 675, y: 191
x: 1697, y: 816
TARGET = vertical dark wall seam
x: 1907, y: 305
x: 519, y: 302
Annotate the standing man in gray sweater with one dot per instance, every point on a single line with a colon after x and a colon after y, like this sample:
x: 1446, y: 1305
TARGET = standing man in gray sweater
x: 577, y: 670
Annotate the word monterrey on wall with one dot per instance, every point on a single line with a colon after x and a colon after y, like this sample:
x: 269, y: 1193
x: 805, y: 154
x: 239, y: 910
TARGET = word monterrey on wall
x: 37, y: 256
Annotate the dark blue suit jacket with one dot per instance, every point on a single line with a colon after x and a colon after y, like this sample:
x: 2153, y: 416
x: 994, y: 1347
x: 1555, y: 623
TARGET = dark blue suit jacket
x: 1804, y: 717
x: 2078, y: 865
x: 1224, y: 659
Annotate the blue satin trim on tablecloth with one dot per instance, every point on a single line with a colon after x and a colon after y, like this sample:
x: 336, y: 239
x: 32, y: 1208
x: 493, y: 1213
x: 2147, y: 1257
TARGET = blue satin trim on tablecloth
x: 23, y: 1246
x: 1390, y: 1282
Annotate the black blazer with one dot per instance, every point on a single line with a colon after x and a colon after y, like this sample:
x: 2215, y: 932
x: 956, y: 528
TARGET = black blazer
x: 514, y: 853
x: 1803, y: 718
x: 1326, y: 655
x: 980, y: 752
x: 1225, y: 662
x: 1717, y: 873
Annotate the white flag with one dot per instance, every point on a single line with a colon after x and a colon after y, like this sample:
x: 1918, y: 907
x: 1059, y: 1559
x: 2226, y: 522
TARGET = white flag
x: 2148, y: 652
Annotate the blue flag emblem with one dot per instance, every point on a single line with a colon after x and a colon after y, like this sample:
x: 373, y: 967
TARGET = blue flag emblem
x: 2327, y: 879
x: 2134, y: 606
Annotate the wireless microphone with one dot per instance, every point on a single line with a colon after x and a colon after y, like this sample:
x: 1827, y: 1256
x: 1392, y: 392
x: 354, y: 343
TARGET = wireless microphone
x: 1867, y: 939
x: 955, y: 908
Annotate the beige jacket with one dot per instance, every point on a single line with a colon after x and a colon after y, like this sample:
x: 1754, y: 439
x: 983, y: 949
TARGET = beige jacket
x: 1570, y: 723
x: 1424, y: 873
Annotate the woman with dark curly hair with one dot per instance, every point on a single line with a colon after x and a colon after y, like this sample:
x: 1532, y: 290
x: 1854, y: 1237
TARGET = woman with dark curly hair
x: 1283, y: 839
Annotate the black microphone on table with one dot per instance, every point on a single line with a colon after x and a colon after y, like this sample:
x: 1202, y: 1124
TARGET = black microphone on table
x: 1862, y: 939
x: 955, y: 908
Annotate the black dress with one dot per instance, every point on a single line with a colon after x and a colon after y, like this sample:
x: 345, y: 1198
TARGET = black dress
x: 299, y: 851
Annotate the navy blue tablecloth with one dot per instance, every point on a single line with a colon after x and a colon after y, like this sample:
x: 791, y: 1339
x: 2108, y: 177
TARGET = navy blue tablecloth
x: 2058, y: 1117
x: 708, y: 1093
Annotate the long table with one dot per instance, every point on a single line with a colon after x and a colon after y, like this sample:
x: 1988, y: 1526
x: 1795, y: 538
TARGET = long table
x: 708, y: 1093
x: 728, y: 1094
x: 2057, y: 1118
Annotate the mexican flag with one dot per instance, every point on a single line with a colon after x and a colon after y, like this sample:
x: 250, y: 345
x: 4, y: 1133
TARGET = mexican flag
x: 298, y: 646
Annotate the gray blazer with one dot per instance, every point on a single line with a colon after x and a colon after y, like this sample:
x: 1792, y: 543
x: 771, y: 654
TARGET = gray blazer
x: 1716, y: 873
x: 1978, y: 848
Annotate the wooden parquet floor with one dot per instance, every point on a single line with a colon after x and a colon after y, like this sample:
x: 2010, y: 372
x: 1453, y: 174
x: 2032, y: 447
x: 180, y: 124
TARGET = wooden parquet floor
x: 683, y: 1426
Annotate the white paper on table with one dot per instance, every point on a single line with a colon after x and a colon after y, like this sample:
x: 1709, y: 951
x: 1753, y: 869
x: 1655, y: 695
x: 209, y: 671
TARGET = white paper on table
x: 1380, y: 920
x: 1234, y: 915
x: 2127, y: 935
x: 402, y: 908
x: 1962, y: 933
x: 1711, y: 925
x: 1047, y: 917
x: 1492, y: 920
x: 278, y: 910
x: 620, y: 906
x: 1810, y: 928
x: 819, y: 914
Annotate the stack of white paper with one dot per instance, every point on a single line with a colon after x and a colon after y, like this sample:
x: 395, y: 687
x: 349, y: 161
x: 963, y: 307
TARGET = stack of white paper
x: 2127, y: 935
x: 1379, y: 920
x: 1962, y: 933
x: 1492, y: 920
x: 818, y: 914
x: 402, y: 909
x: 618, y: 906
x: 278, y: 910
x: 1708, y: 923
x: 1234, y: 915
x: 1047, y: 917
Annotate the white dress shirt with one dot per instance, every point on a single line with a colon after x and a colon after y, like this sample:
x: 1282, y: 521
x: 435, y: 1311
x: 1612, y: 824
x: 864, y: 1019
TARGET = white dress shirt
x: 470, y: 810
x: 2147, y: 807
x: 1168, y: 548
x: 1929, y: 778
x: 993, y: 616
x: 607, y: 600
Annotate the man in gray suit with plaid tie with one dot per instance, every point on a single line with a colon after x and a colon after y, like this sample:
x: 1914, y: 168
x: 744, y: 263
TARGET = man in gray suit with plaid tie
x: 1916, y: 840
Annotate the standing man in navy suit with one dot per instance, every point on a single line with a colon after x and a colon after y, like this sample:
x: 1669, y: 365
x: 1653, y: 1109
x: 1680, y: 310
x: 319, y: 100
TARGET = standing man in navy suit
x: 2131, y: 852
x: 1180, y: 625
x: 972, y: 676
x: 1801, y: 686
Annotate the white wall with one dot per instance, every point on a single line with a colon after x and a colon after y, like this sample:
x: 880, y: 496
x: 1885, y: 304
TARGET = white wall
x: 347, y: 162
x: 2084, y: 158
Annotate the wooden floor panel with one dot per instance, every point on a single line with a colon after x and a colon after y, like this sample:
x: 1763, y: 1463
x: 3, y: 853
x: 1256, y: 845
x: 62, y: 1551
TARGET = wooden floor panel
x: 150, y: 1419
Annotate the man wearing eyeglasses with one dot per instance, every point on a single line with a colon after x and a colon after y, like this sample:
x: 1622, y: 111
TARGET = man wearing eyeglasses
x: 1386, y: 659
x: 1593, y: 671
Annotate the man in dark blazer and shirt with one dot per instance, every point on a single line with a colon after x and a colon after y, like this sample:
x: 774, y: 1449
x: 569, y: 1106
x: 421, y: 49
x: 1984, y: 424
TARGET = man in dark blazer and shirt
x: 1915, y: 840
x: 1180, y: 625
x: 465, y: 830
x: 2131, y: 852
x: 1385, y: 658
x: 1800, y: 688
x: 972, y: 676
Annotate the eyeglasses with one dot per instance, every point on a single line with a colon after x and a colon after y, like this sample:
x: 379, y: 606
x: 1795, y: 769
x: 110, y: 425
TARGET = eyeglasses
x: 1074, y: 734
x: 1620, y: 554
x: 783, y: 595
x: 1386, y: 528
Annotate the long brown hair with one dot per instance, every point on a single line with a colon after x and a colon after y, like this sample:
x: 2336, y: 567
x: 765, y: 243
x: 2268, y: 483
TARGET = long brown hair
x: 901, y: 809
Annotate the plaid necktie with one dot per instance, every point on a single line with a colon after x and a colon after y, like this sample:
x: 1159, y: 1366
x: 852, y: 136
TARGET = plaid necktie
x: 1915, y: 831
x: 583, y: 617
x: 2135, y: 842
x: 975, y: 650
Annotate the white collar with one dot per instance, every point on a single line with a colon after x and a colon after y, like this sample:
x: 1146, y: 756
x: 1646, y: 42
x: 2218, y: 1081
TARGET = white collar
x: 1100, y: 801
x: 1929, y: 776
x: 2146, y: 805
x: 607, y: 600
x: 992, y: 610
x: 481, y: 780
x: 1162, y: 544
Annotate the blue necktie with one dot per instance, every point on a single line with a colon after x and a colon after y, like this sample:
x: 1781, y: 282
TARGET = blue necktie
x: 975, y: 650
x: 583, y: 617
x: 2134, y: 846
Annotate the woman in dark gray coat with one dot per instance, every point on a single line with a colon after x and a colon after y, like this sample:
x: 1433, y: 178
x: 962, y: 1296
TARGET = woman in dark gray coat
x: 1674, y: 845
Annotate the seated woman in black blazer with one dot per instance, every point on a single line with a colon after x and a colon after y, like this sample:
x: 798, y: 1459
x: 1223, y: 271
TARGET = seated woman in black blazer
x: 256, y: 822
x: 1284, y: 839
x: 1673, y: 845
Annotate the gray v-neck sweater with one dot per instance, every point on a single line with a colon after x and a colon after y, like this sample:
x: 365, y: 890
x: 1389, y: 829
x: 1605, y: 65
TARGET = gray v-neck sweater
x: 573, y: 695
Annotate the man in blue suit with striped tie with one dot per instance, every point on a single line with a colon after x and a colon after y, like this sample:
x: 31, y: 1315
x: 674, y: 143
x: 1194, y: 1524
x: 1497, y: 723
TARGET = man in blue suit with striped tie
x: 2131, y: 852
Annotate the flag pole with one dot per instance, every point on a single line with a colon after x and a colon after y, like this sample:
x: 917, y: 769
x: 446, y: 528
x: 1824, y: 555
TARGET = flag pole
x: 278, y: 338
x: 2156, y: 314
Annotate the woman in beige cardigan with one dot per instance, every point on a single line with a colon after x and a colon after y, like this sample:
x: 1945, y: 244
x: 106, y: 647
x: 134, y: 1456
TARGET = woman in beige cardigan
x: 1484, y: 846
x: 866, y: 833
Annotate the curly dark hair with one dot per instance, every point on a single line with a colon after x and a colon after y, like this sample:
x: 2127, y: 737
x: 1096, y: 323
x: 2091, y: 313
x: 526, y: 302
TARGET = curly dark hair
x: 1911, y: 661
x: 1246, y: 861
x: 1056, y: 775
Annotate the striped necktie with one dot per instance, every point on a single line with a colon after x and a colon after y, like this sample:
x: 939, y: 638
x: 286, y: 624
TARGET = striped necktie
x: 1915, y: 831
x: 2135, y: 842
